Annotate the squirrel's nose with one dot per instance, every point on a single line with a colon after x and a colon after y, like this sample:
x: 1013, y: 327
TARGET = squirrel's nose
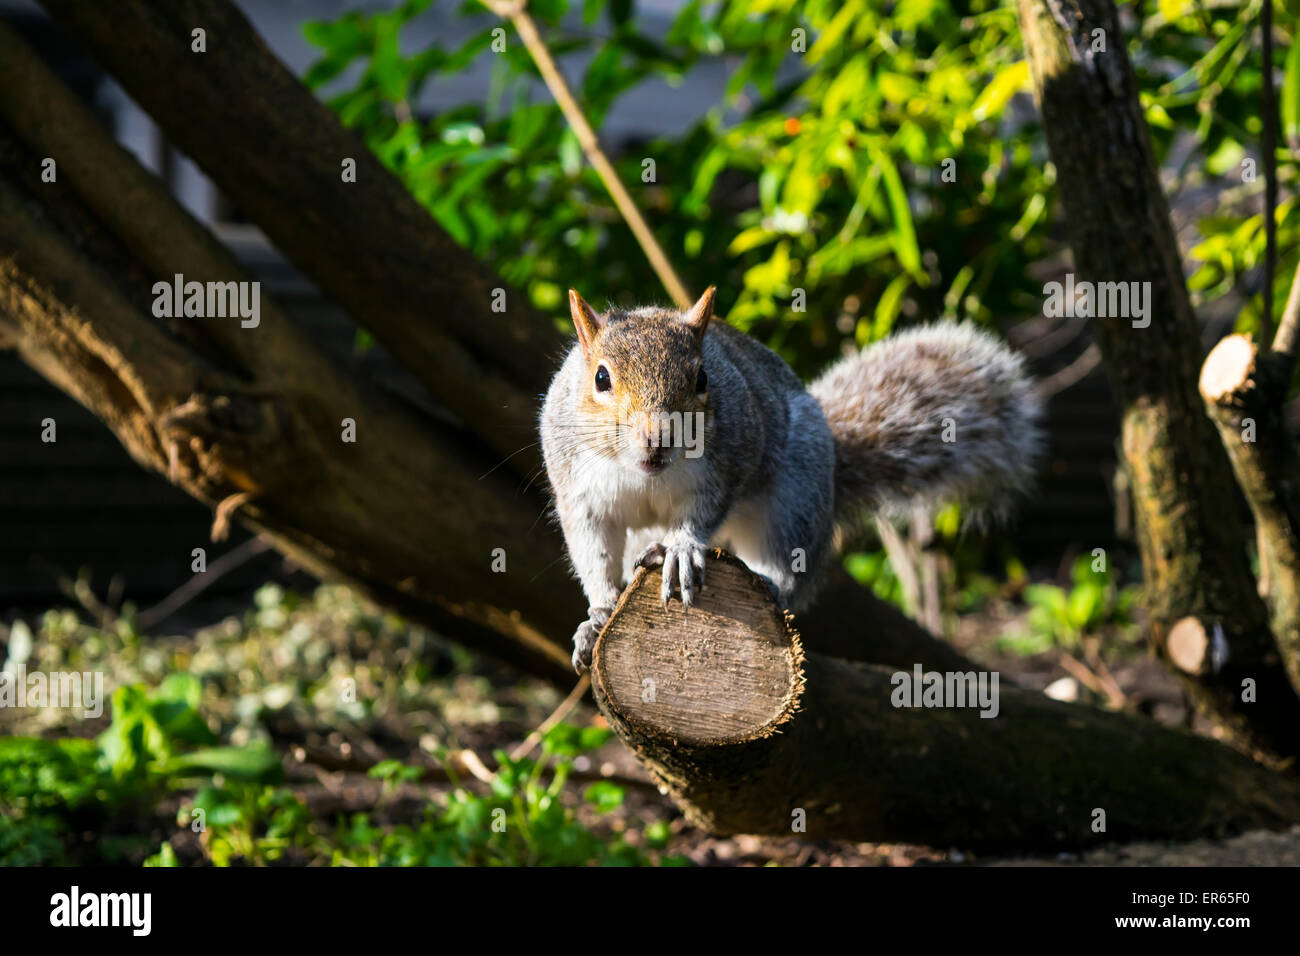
x: 654, y: 429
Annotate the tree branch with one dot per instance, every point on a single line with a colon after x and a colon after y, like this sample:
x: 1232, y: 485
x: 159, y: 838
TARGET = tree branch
x: 277, y: 151
x: 1288, y: 329
x: 1268, y: 112
x: 1243, y: 392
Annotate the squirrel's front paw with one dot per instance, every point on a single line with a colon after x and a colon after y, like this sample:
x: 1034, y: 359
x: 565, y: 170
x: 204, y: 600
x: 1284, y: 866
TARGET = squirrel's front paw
x: 584, y: 638
x: 682, y: 559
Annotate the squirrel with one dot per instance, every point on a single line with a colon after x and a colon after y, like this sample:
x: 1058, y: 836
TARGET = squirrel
x: 664, y: 434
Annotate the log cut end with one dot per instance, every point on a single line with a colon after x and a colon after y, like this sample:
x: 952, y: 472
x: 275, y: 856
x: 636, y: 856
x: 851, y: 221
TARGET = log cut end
x: 1228, y: 369
x: 728, y: 670
x: 1189, y: 645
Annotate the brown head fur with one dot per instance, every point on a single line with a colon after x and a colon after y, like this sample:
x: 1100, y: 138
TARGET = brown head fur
x: 652, y: 357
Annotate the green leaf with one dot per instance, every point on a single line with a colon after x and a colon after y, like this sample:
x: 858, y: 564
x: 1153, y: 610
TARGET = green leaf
x: 1006, y: 83
x: 570, y: 153
x: 387, y: 64
x: 346, y: 36
x: 887, y: 308
x: 563, y: 738
x: 1084, y: 605
x: 255, y: 761
x: 1228, y: 156
x: 604, y: 796
x: 751, y: 238
x: 1172, y: 10
x: 909, y: 253
x: 601, y: 72
x: 592, y: 738
x: 1290, y: 101
x: 220, y: 806
x: 846, y: 88
x: 185, y: 689
x: 320, y: 73
x: 165, y: 857
x: 657, y: 834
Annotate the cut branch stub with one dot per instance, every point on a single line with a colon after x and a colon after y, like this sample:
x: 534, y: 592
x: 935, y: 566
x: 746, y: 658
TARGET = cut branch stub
x: 1229, y: 369
x: 1189, y: 646
x: 733, y: 674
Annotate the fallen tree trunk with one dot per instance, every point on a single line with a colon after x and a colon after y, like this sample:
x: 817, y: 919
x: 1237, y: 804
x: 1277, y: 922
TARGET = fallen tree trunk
x: 752, y: 734
x: 1194, y: 550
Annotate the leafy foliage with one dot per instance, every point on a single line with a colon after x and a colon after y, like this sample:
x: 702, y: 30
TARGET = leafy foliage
x: 150, y: 745
x: 1061, y: 617
x: 865, y: 162
x: 865, y: 165
x: 1202, y: 73
x: 830, y: 181
x: 192, y: 756
x: 522, y: 820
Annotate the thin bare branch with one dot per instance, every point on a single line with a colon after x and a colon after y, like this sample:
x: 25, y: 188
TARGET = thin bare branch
x: 1288, y: 329
x: 517, y: 14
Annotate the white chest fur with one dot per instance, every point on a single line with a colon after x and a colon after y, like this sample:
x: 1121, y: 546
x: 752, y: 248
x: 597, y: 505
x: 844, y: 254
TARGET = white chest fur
x: 635, y: 501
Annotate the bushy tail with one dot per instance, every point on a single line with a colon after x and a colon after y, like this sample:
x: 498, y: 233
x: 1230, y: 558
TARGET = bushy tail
x: 941, y: 412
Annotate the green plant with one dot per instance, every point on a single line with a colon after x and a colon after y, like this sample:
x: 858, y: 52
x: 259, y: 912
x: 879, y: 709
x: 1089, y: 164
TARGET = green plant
x: 247, y: 822
x: 1061, y: 618
x: 872, y: 568
x: 199, y: 737
x: 523, y: 820
x: 1201, y: 86
x: 156, y: 741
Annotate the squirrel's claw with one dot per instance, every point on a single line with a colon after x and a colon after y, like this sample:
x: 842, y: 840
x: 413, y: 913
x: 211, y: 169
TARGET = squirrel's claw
x: 584, y: 642
x: 651, y: 557
x: 669, y: 572
x: 688, y: 577
x: 683, y: 565
x: 584, y: 638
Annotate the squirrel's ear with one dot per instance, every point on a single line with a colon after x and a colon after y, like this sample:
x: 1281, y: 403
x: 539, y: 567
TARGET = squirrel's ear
x: 700, y: 313
x: 585, y: 320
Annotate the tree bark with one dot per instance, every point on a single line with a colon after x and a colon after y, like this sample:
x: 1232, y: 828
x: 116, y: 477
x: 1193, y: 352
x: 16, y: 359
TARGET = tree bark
x: 1194, y: 551
x: 753, y: 734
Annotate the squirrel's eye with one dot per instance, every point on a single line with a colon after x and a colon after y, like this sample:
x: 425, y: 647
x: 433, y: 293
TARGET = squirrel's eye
x: 602, y: 379
x: 701, y: 381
